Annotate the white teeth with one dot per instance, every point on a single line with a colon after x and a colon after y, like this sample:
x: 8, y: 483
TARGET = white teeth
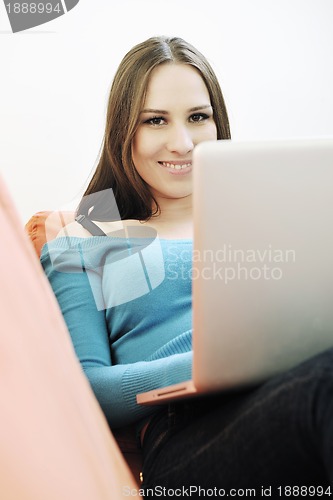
x: 177, y: 166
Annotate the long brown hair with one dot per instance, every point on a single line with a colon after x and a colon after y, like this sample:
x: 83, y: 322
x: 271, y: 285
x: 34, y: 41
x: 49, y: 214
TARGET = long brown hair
x: 115, y: 168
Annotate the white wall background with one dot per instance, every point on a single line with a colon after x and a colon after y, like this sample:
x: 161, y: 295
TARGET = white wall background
x: 273, y: 59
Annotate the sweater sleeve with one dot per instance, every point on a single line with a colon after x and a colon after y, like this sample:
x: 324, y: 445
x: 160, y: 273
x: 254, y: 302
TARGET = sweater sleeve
x: 115, y: 386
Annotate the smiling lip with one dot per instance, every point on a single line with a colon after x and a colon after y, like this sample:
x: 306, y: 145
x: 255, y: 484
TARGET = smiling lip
x: 177, y: 167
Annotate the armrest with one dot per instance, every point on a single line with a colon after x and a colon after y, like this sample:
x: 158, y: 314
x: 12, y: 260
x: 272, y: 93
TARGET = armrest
x: 44, y: 226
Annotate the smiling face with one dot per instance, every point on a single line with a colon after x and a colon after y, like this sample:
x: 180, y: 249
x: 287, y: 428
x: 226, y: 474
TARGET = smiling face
x: 176, y: 115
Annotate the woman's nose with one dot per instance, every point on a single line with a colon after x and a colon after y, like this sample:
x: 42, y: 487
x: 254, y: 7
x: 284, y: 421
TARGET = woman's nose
x: 180, y: 140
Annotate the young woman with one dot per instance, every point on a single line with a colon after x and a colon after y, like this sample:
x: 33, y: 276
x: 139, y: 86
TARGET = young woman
x: 130, y: 320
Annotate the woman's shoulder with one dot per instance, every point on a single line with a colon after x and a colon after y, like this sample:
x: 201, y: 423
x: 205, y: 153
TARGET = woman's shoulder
x: 76, y: 230
x: 73, y: 230
x: 74, y: 242
x: 124, y: 228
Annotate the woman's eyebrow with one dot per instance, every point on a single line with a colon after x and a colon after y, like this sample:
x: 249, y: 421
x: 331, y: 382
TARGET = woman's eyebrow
x: 198, y: 108
x: 164, y: 112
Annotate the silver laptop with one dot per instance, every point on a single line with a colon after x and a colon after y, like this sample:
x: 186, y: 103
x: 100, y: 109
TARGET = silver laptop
x: 262, y: 262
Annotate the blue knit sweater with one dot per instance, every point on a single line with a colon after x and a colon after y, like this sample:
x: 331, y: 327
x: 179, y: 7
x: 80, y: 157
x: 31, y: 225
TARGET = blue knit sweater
x: 127, y: 305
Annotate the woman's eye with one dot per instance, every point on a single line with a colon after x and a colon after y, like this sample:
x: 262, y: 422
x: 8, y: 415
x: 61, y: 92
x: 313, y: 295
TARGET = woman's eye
x: 156, y: 120
x: 199, y: 117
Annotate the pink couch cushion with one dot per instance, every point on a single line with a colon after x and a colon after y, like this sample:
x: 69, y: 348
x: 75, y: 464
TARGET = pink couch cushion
x: 42, y: 227
x: 55, y: 441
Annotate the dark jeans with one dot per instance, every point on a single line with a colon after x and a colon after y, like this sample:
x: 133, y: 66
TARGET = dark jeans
x: 279, y: 434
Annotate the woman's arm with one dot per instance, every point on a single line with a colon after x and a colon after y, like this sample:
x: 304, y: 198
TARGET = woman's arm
x: 115, y: 386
